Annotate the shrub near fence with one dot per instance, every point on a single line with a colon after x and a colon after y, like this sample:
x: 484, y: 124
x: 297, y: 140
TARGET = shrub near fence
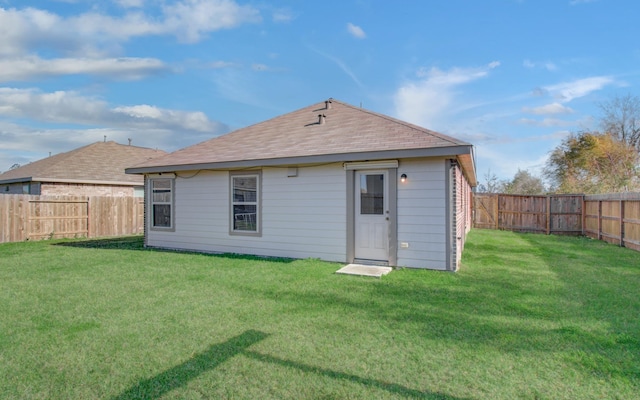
x: 614, y: 218
x: 26, y: 217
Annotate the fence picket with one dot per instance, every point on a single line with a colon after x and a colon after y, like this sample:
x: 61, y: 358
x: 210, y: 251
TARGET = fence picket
x: 30, y: 217
x: 614, y: 218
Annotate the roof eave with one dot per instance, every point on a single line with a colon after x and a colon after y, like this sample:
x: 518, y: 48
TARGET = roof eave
x: 467, y: 162
x: 323, y: 158
x: 16, y: 180
x: 74, y: 181
x: 91, y: 182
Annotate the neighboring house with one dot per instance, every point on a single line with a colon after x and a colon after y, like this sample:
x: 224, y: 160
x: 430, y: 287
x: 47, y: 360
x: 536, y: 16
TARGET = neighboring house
x: 93, y: 170
x: 330, y: 181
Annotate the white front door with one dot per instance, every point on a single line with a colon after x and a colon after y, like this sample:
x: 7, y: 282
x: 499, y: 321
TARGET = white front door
x: 372, y: 215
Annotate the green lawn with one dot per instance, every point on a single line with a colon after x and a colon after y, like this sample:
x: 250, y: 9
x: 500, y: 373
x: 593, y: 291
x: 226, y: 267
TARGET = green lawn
x: 528, y: 316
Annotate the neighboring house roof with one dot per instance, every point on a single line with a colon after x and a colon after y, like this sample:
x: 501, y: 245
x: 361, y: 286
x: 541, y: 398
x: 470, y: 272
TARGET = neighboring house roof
x: 97, y: 163
x: 330, y: 131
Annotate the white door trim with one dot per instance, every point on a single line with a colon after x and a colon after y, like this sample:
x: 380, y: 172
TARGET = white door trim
x: 393, y: 216
x: 372, y: 215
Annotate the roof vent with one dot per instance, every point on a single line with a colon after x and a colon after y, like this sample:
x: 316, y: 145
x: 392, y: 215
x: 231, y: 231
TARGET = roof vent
x: 327, y: 104
x: 321, y: 119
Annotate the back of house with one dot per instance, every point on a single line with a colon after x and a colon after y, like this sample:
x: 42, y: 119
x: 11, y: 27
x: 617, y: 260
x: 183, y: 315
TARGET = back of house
x: 329, y: 181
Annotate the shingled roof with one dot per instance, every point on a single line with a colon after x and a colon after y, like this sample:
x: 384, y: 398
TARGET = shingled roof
x: 97, y: 163
x: 323, y: 132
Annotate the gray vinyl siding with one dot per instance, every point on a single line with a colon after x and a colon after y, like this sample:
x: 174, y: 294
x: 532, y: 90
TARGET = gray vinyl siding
x: 306, y: 215
x: 422, y: 214
x: 302, y: 216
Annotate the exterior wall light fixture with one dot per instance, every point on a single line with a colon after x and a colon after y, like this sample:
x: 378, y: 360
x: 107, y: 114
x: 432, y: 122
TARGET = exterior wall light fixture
x: 403, y: 178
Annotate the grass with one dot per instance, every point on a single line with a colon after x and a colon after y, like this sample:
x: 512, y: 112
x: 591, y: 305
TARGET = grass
x: 527, y: 316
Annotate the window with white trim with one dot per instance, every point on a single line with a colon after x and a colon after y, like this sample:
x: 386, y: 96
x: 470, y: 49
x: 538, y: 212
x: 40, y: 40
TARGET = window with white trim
x: 161, y: 199
x: 245, y: 203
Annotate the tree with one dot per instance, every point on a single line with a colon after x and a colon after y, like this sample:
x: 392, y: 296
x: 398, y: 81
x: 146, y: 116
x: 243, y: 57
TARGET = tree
x: 14, y: 166
x: 593, y: 162
x: 492, y: 184
x: 525, y: 183
x: 621, y: 118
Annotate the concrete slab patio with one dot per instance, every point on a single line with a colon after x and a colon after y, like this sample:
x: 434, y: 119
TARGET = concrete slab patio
x: 364, y: 270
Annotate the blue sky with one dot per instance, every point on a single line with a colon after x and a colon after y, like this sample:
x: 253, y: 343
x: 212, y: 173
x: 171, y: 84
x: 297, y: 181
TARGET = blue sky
x: 512, y: 77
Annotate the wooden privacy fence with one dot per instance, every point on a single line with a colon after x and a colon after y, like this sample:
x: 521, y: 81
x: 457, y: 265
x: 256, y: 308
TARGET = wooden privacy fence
x: 561, y: 214
x: 614, y: 218
x: 26, y: 217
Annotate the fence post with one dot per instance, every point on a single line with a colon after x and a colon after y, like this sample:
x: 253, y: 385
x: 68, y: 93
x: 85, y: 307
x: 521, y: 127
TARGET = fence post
x: 621, y: 223
x: 584, y: 216
x: 599, y: 219
x: 89, y: 225
x: 25, y: 210
x: 548, y: 215
x: 497, y: 211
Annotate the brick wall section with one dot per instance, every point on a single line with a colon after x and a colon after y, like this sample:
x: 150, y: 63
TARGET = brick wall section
x: 462, y: 218
x: 71, y: 189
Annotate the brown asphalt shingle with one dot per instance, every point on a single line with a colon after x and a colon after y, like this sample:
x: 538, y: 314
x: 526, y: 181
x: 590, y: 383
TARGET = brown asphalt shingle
x: 347, y: 129
x: 100, y: 161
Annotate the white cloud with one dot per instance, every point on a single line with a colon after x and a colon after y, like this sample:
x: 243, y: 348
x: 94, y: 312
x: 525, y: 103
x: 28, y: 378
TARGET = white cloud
x: 191, y: 19
x: 71, y: 108
x: 523, y: 154
x: 26, y: 30
x: 553, y: 108
x: 150, y: 126
x: 356, y: 31
x: 568, y: 91
x: 223, y: 64
x: 341, y: 65
x: 548, y: 65
x: 546, y: 122
x: 168, y: 119
x: 20, y: 29
x: 29, y: 67
x: 534, y: 163
x: 427, y: 99
x: 86, y: 43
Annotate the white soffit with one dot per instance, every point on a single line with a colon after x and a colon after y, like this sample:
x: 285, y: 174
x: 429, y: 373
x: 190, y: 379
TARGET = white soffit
x: 371, y: 165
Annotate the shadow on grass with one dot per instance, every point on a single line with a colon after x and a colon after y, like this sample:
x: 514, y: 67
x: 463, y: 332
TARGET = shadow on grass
x: 180, y: 375
x: 137, y: 243
x: 389, y: 387
x: 117, y: 243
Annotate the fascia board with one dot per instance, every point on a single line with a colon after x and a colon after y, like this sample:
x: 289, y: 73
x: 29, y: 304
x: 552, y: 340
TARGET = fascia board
x: 325, y: 158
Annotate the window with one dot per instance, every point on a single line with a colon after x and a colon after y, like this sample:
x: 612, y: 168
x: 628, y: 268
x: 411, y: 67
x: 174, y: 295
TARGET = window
x: 162, y: 203
x: 245, y: 203
x: 372, y: 194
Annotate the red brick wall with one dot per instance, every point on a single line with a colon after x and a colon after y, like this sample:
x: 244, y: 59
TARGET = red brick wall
x: 463, y: 210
